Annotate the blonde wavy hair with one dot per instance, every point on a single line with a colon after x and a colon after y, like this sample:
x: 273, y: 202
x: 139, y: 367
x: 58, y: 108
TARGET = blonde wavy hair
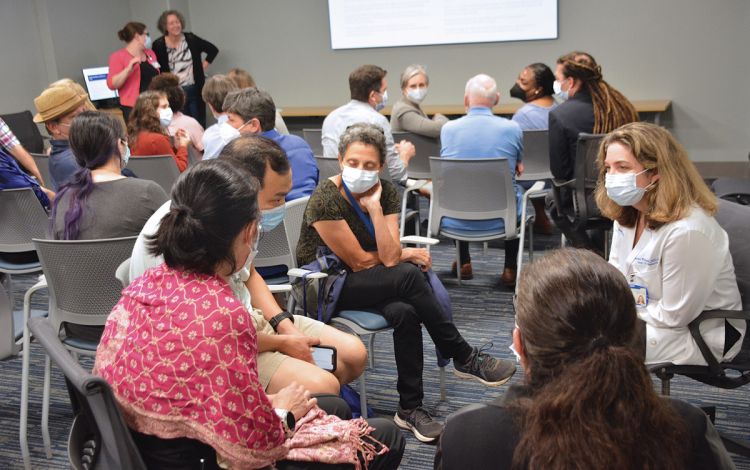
x: 678, y: 189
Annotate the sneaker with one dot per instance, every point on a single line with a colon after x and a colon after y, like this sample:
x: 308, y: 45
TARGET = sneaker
x: 485, y: 368
x: 420, y: 422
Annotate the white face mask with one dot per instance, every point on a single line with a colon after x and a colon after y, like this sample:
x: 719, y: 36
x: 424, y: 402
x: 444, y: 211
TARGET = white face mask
x: 557, y: 87
x: 417, y: 94
x: 244, y: 272
x: 165, y: 116
x: 358, y: 181
x: 227, y: 132
x: 147, y: 42
x: 623, y: 189
x: 382, y: 104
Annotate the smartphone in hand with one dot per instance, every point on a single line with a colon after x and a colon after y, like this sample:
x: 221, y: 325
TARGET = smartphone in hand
x: 325, y: 357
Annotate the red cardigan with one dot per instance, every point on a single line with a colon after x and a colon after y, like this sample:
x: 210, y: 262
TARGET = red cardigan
x: 153, y: 143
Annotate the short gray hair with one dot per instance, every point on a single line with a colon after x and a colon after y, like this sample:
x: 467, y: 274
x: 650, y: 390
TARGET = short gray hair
x: 411, y: 71
x: 364, y: 133
x: 481, y: 88
x: 251, y: 103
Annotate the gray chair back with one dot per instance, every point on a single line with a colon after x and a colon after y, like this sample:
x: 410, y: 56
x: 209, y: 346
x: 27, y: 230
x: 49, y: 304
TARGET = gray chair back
x: 327, y: 166
x: 26, y: 130
x: 98, y: 416
x: 586, y: 175
x: 42, y: 162
x: 426, y: 147
x: 472, y: 189
x: 536, y: 156
x: 23, y: 218
x: 194, y: 155
x: 735, y: 220
x: 279, y: 246
x: 313, y: 137
x: 81, y: 277
x: 161, y: 169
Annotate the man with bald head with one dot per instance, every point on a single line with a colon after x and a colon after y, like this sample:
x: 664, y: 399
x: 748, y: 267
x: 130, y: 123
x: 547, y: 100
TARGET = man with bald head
x: 481, y: 134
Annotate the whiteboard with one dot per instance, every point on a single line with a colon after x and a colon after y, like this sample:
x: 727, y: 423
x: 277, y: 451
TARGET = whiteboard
x: 359, y: 24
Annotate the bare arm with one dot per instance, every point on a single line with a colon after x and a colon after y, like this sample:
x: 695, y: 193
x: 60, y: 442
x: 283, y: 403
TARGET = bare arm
x: 27, y: 162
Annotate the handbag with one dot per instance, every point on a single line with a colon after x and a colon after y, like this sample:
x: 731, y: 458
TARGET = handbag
x: 320, y: 303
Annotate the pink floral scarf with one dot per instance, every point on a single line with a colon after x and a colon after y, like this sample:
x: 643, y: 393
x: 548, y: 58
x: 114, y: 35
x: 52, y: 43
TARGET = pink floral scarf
x: 179, y: 351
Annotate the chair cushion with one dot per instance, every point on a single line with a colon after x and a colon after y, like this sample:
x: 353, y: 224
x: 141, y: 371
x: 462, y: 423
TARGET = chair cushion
x: 471, y: 234
x: 78, y: 343
x: 275, y: 281
x: 23, y: 262
x: 367, y: 320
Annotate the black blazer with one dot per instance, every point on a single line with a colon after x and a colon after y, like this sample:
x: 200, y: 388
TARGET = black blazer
x: 197, y: 46
x: 566, y: 121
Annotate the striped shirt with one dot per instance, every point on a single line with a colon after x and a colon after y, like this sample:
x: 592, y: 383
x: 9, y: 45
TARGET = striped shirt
x: 181, y: 62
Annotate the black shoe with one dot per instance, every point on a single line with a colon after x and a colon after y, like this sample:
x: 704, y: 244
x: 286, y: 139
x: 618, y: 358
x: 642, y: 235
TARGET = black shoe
x: 485, y: 368
x: 418, y: 421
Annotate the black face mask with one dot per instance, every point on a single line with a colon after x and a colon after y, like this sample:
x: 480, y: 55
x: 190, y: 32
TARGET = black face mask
x: 517, y: 92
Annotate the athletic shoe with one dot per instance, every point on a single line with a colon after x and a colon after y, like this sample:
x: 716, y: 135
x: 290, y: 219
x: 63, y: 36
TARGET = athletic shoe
x: 485, y: 368
x: 420, y: 422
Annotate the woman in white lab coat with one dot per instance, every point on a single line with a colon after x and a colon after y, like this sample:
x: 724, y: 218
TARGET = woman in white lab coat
x: 667, y: 243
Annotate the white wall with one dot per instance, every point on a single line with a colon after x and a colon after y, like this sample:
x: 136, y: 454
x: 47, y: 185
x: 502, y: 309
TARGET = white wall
x: 690, y: 51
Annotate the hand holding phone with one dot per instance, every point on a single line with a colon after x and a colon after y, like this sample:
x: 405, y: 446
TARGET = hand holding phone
x: 324, y: 357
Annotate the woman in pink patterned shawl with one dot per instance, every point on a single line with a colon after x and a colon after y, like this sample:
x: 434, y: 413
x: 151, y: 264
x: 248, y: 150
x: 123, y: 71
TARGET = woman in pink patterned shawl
x: 179, y: 351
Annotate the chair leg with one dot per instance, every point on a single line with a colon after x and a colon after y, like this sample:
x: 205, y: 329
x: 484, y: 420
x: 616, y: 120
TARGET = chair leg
x: 563, y: 241
x: 442, y: 383
x: 45, y: 408
x: 665, y: 387
x: 363, y: 393
x: 7, y: 339
x: 371, y: 350
x: 458, y: 264
x: 531, y: 242
x: 22, y: 430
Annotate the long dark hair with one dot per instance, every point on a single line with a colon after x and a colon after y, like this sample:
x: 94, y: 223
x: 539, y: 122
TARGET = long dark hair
x: 611, y: 108
x: 212, y: 202
x: 592, y: 402
x: 93, y: 139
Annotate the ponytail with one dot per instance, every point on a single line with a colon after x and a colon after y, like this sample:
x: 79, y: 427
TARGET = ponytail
x: 78, y: 189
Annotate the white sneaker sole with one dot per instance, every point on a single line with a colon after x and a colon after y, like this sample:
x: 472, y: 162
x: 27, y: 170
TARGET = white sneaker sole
x: 405, y: 425
x: 466, y: 375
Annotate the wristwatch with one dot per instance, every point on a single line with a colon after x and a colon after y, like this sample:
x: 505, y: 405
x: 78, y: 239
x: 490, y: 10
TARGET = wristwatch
x: 279, y: 318
x: 287, y: 420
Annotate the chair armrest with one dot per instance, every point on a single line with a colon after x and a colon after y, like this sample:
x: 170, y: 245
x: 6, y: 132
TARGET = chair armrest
x: 417, y: 240
x: 416, y: 185
x: 558, y: 183
x: 299, y: 272
x: 695, y: 332
x: 280, y: 288
x: 536, y: 188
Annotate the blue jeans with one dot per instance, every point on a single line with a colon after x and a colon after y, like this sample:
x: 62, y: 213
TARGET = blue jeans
x: 194, y: 105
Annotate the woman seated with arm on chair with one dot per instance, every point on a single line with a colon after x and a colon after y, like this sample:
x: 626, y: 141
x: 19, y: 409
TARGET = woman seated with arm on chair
x: 179, y: 350
x: 147, y: 129
x: 587, y: 400
x: 667, y: 244
x: 407, y: 115
x: 355, y: 215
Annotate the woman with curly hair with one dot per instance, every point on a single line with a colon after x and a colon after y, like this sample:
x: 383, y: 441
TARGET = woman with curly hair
x: 147, y: 126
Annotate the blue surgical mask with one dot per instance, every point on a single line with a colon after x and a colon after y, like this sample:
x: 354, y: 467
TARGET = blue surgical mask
x: 382, y: 104
x: 271, y: 218
x: 147, y: 44
x: 165, y: 117
x: 417, y: 94
x: 557, y: 87
x: 623, y: 189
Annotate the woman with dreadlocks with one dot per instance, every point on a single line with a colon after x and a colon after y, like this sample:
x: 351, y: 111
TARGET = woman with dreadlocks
x: 592, y: 106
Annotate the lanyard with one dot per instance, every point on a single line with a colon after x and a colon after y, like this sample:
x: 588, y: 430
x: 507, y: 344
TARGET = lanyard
x: 365, y: 218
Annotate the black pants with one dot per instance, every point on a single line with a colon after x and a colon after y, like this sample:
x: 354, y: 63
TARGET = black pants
x: 511, y: 253
x: 194, y: 104
x: 186, y: 454
x: 401, y: 294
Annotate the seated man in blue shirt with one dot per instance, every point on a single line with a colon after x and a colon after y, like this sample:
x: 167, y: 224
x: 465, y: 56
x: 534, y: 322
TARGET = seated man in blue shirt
x: 480, y: 134
x: 252, y: 111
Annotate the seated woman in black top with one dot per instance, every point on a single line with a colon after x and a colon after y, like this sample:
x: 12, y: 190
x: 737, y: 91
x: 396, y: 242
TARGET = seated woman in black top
x: 588, y: 401
x: 384, y: 276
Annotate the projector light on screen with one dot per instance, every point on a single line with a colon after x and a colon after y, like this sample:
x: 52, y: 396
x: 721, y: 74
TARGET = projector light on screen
x: 359, y: 24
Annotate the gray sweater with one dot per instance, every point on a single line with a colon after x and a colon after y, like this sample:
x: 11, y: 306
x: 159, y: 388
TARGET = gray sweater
x: 407, y: 116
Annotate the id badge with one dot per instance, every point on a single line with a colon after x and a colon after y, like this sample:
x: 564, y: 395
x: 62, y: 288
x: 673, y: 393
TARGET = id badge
x: 640, y: 295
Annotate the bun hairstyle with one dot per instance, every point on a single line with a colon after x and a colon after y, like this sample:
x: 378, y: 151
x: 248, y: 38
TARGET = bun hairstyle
x: 93, y: 139
x: 212, y: 202
x: 592, y: 402
x: 128, y: 32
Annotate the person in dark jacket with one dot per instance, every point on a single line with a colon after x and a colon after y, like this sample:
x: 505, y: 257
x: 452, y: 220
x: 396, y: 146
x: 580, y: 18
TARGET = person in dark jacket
x: 587, y: 400
x: 181, y: 53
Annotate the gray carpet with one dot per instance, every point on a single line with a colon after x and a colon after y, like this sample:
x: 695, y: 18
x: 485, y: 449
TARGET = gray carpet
x: 482, y: 312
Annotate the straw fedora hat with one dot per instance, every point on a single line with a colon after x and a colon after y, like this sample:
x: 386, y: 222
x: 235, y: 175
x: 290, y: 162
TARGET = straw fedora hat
x: 55, y: 102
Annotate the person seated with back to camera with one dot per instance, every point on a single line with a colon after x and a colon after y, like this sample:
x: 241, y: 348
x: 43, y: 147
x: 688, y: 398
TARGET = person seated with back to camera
x: 214, y: 92
x: 667, y: 244
x: 147, y: 129
x: 587, y: 400
x: 195, y: 400
x: 386, y: 277
x: 284, y: 340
